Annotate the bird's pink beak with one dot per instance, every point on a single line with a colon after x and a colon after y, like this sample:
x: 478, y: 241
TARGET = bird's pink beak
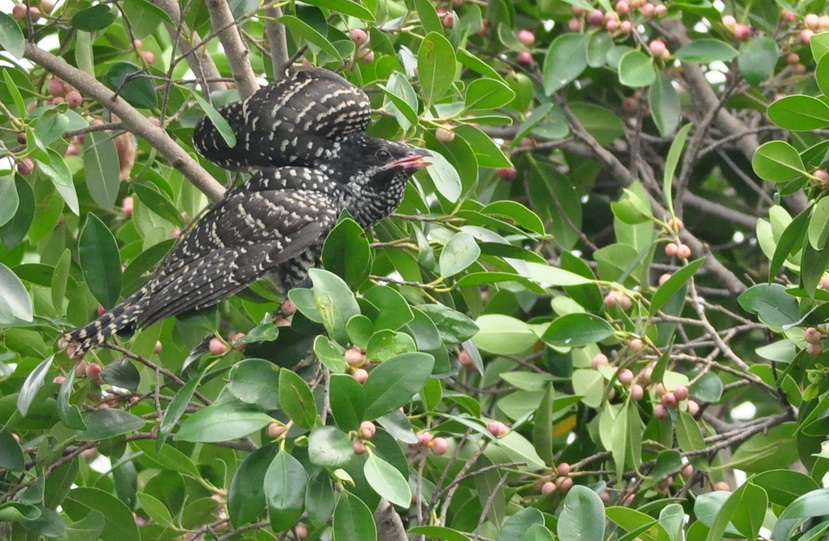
x: 416, y: 160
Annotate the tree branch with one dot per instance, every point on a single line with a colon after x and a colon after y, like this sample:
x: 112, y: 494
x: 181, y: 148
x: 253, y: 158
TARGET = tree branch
x: 279, y: 41
x: 237, y: 52
x: 130, y: 118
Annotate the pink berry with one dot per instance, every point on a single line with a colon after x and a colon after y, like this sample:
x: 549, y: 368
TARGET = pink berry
x: 578, y: 11
x: 56, y: 87
x: 497, y: 428
x: 687, y: 471
x: 595, y: 17
x: 742, y: 32
x: 681, y: 392
x: 599, y: 359
x: 360, y: 374
x: 72, y: 150
x: 137, y: 43
x: 787, y: 16
x: 526, y: 37
x: 660, y: 411
x: 301, y: 531
x: 359, y: 447
x: 805, y: 36
x: 448, y: 20
x: 358, y: 36
x: 625, y: 302
x: 73, y: 98
x: 507, y: 173
x: 444, y: 134
x: 47, y: 6
x: 424, y: 438
x: 354, y: 356
x: 548, y: 488
x: 636, y: 393
x: 722, y: 485
x: 563, y: 468
x: 625, y: 376
x: 439, y: 446
x: 575, y: 25
x: 693, y: 408
x: 525, y: 58
x: 217, y: 347
x: 235, y: 338
x: 622, y: 7
x: 729, y: 22
x: 792, y: 58
x: 610, y: 300
x: 671, y: 249
x: 660, y: 11
x: 626, y: 27
x: 683, y: 251
x: 612, y: 25
x: 93, y: 371
x: 648, y: 10
x: 288, y: 308
x: 669, y: 400
x: 811, y: 21
x: 465, y: 359
x: 367, y: 430
x: 127, y: 205
x: 636, y: 345
x: 565, y: 484
x: 821, y: 174
x: 26, y: 165
x: 664, y: 278
x: 19, y: 11
x: 814, y: 349
x: 60, y: 380
x: 657, y: 48
x: 824, y: 282
x: 34, y: 14
x: 366, y: 56
x: 158, y: 347
x: 148, y: 56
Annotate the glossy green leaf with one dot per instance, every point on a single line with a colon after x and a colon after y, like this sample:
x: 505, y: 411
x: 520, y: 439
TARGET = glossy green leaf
x: 459, y: 253
x: 100, y: 261
x: 566, y: 59
x: 296, y: 399
x: 106, y: 423
x: 440, y: 532
x: 13, y: 232
x: 348, y: 401
x: 33, y: 383
x: 118, y: 519
x: 394, y: 310
x: 11, y: 38
x: 285, y: 483
x: 353, y: 521
x: 436, y: 67
x: 11, y: 455
x: 445, y: 177
x: 487, y: 94
x: 18, y: 512
x: 575, y: 330
x: 518, y: 523
x: 503, y: 335
x: 176, y: 409
x: 246, y: 496
x: 8, y: 199
x: 750, y: 512
x: 395, y: 381
x: 334, y: 301
x: 311, y: 35
x: 329, y: 355
x: 387, y: 481
x: 582, y: 515
x: 663, y: 100
x: 329, y: 447
x: 255, y: 381
x: 705, y: 51
x: 60, y: 175
x: 222, y: 422
x: 15, y: 303
x: 771, y: 303
x: 158, y: 202
x: 818, y: 230
x: 93, y: 19
x: 127, y: 79
x: 220, y: 122
x: 636, y: 69
x: 757, y: 59
x: 799, y: 113
x: 777, y: 161
x: 70, y: 414
x: 601, y: 123
x: 675, y: 283
x: 812, y: 504
x: 346, y: 252
x: 319, y: 498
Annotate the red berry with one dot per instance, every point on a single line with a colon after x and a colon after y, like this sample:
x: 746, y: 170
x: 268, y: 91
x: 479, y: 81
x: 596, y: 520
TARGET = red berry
x: 439, y: 446
x: 611, y: 25
x: 622, y: 7
x: 448, y: 20
x: 25, y: 166
x: 358, y: 36
x: 787, y: 16
x: 669, y: 400
x: 526, y: 37
x: 648, y: 10
x: 626, y: 27
x: 660, y: 411
x: 424, y: 438
x: 792, y: 58
x: 507, y: 173
x: 217, y: 346
x: 72, y: 150
x: 742, y: 32
x: 465, y: 359
x: 354, y: 356
x: 361, y: 375
x: 287, y: 308
x: 93, y: 372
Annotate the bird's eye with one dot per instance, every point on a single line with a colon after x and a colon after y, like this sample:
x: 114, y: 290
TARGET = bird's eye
x: 383, y: 155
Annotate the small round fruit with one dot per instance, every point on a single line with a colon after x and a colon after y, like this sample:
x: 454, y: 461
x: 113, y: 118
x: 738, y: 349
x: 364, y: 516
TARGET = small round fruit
x: 599, y: 359
x: 687, y: 471
x: 693, y: 408
x: 19, y: 11
x: 636, y: 345
x: 367, y: 430
x: 636, y: 392
x: 72, y: 150
x: 563, y: 468
x: 34, y: 14
x: 805, y: 36
x: 648, y: 10
x: 465, y: 359
x: 575, y: 25
x: 681, y: 392
x: 622, y: 7
x: 148, y: 56
x: 671, y: 249
x: 565, y: 484
x: 525, y: 58
x: 787, y: 16
x: 217, y: 347
x: 56, y: 87
x: 595, y: 17
x: 626, y: 27
x: 507, y: 173
x: 729, y: 21
x: 669, y: 400
x: 137, y: 43
x: 683, y: 251
x: 660, y: 411
x: 660, y: 11
x: 548, y: 488
x: 792, y: 58
x: 73, y: 98
x: 742, y: 32
x: 361, y: 375
x: 127, y: 205
x: 275, y: 430
x: 354, y: 356
x: 821, y: 175
x: 358, y: 36
x: 526, y: 37
x: 439, y: 446
x: 657, y: 48
x: 59, y: 380
x: 359, y: 447
x: 301, y: 531
x: 448, y: 20
x: 497, y: 428
x: 444, y: 135
x: 93, y: 371
x: 366, y: 56
x: 424, y: 438
x: 814, y: 349
x: 158, y: 347
x: 25, y: 166
x: 46, y: 6
x: 811, y: 21
x: 625, y: 376
x: 722, y: 485
x: 664, y: 278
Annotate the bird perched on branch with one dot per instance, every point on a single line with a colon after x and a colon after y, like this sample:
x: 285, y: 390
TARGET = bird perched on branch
x: 304, y: 138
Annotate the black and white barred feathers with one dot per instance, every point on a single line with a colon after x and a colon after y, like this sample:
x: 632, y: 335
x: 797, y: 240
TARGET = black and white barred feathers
x: 304, y: 140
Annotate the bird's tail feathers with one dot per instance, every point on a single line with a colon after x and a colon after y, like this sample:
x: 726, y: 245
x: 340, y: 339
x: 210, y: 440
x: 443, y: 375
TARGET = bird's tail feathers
x: 79, y: 341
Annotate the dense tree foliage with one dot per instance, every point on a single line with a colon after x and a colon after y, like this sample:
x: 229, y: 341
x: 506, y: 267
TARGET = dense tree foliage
x: 598, y: 315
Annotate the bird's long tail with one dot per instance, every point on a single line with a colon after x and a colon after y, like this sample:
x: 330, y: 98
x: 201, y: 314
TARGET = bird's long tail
x: 79, y: 341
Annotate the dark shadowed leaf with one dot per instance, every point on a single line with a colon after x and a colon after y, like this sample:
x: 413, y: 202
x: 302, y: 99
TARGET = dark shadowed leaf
x: 246, y: 496
x: 106, y: 423
x: 95, y: 18
x: 100, y: 261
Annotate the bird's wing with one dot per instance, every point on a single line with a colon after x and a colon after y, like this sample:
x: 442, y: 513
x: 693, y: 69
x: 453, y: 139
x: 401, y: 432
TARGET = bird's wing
x: 290, y: 122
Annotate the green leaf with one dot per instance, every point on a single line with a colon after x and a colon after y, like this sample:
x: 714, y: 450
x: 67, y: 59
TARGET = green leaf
x: 178, y: 406
x: 145, y: 17
x: 93, y: 19
x: 436, y: 67
x: 566, y: 59
x: 101, y: 168
x: 503, y: 335
x: 222, y: 422
x: 255, y: 381
x: 445, y: 177
x: 329, y: 355
x: 784, y: 486
x: 329, y: 447
x: 812, y: 504
x: 777, y: 161
x: 32, y: 385
x: 100, y: 261
x: 348, y: 401
x: 353, y: 521
x: 346, y: 252
x: 334, y: 301
x: 319, y: 498
x: 670, y: 165
x: 296, y: 398
x: 666, y: 109
x: 395, y: 381
x: 460, y: 252
x: 246, y: 496
x: 303, y: 29
x: 636, y: 69
x: 518, y: 523
x: 772, y: 304
x: 387, y: 481
x: 131, y: 83
x: 220, y: 122
x: 487, y: 94
x: 676, y: 282
x: 60, y: 175
x: 13, y: 232
x: 439, y: 532
x: 11, y: 455
x: 601, y: 123
x: 757, y: 59
x: 582, y: 515
x: 819, y: 224
x: 705, y: 51
x: 750, y: 511
x: 285, y: 483
x: 452, y: 326
x: 767, y: 450
x: 70, y: 415
x: 15, y: 303
x: 106, y: 423
x: 575, y: 330
x: 11, y: 38
x: 119, y: 522
x: 393, y: 307
x: 799, y: 113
